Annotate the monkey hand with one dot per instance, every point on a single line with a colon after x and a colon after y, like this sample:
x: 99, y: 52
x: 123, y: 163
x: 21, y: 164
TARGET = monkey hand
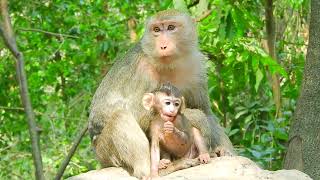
x: 168, y: 127
x: 204, y: 158
x: 163, y: 164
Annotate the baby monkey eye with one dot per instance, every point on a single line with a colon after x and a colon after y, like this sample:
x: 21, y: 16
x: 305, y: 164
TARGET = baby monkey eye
x: 176, y: 104
x: 171, y: 27
x: 167, y: 102
x: 156, y: 29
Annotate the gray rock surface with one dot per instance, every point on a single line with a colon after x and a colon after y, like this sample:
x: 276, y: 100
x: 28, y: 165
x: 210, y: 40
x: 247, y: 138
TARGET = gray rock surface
x: 221, y: 168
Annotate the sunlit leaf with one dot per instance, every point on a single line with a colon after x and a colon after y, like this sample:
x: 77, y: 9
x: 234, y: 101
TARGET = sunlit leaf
x: 233, y: 132
x: 180, y: 4
x: 240, y: 114
x: 259, y: 77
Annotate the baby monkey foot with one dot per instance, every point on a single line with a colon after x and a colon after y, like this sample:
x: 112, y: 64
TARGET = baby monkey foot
x: 164, y: 163
x: 150, y: 177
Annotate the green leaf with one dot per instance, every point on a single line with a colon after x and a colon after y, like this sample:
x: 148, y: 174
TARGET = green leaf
x: 240, y: 24
x: 265, y: 138
x: 259, y: 77
x: 255, y: 63
x: 233, y: 132
x: 256, y: 154
x: 274, y: 66
x: 280, y: 133
x: 241, y: 113
x: 180, y: 5
x: 230, y: 27
x: 202, y: 7
x: 248, y: 119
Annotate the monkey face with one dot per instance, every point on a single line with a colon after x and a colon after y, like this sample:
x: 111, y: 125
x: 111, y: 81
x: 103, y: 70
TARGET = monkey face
x: 164, y: 34
x: 169, y: 36
x: 169, y: 107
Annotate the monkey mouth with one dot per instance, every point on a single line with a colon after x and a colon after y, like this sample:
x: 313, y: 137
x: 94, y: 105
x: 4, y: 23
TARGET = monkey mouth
x: 167, y: 56
x: 165, y: 59
x: 167, y: 117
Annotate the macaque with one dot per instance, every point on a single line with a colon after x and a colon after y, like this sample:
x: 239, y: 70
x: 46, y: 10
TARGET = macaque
x: 167, y: 52
x: 171, y: 133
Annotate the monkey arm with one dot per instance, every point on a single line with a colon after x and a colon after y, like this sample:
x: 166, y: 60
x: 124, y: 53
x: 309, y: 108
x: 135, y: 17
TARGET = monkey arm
x: 199, y: 141
x: 177, y: 136
x: 155, y: 149
x: 198, y: 120
x: 211, y: 131
x: 173, y: 134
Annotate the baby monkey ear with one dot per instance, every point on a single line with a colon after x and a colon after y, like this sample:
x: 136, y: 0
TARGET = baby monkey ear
x: 183, y: 104
x: 148, y: 101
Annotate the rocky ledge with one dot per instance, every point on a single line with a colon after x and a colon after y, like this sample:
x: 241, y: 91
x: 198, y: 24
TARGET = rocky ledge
x: 221, y: 168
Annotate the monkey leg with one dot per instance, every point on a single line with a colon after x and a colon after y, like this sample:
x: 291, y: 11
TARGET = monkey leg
x: 179, y: 165
x: 122, y: 143
x: 220, y: 142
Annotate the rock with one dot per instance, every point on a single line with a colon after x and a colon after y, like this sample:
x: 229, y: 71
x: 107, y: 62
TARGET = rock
x: 111, y: 173
x: 221, y: 168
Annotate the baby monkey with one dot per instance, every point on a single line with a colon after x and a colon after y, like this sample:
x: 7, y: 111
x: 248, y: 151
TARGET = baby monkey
x: 171, y: 134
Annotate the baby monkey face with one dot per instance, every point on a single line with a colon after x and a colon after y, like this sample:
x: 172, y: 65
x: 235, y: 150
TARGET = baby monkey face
x: 169, y: 106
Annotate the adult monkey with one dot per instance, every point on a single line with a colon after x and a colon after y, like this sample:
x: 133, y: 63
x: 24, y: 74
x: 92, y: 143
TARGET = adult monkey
x: 168, y: 51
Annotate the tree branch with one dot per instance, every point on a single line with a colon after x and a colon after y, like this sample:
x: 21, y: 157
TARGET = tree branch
x: 204, y: 15
x: 48, y: 33
x: 10, y: 41
x: 132, y: 24
x: 8, y: 147
x: 271, y: 47
x: 12, y: 108
x: 195, y: 2
x: 73, y: 149
x: 38, y: 113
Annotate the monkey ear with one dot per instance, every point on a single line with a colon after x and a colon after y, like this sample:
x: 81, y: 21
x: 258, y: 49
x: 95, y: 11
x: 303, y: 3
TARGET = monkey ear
x: 148, y: 101
x: 183, y: 104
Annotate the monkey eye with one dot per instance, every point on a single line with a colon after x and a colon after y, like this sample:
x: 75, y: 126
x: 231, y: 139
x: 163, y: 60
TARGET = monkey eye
x: 156, y: 29
x: 167, y: 102
x: 171, y: 27
x: 176, y: 104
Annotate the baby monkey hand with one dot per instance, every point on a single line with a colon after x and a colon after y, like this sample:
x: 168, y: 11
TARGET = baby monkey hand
x: 168, y: 127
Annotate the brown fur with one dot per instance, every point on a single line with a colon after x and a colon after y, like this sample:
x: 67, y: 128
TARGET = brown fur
x: 186, y: 141
x: 116, y: 123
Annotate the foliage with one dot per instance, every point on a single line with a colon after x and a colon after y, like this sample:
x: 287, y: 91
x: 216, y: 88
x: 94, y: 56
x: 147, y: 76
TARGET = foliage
x: 64, y: 71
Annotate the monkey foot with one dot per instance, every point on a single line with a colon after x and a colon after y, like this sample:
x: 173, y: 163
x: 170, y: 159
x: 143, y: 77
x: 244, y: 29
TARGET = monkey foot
x: 164, y: 163
x: 179, y: 165
x: 220, y: 151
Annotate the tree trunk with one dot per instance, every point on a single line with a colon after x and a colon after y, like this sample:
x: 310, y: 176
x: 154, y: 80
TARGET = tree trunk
x: 304, y: 138
x: 8, y: 36
x: 271, y: 39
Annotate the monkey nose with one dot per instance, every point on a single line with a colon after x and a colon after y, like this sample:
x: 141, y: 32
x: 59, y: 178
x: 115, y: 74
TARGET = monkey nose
x: 163, y: 47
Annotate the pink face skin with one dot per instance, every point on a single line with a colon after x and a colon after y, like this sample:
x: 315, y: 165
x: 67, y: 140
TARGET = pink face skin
x: 164, y: 33
x: 169, y: 107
